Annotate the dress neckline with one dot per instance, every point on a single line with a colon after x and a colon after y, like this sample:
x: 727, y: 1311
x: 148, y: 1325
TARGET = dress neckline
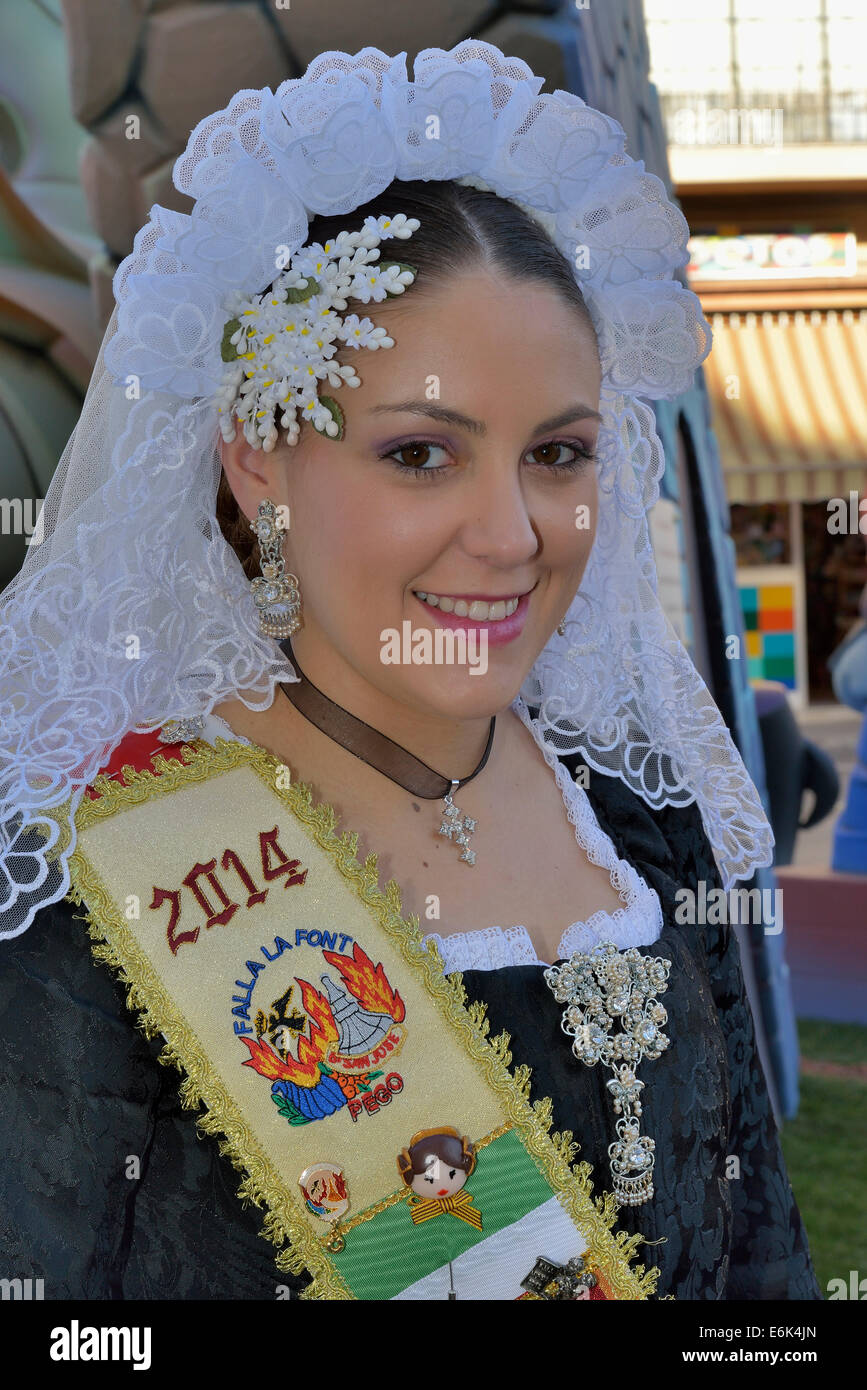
x: 637, y: 923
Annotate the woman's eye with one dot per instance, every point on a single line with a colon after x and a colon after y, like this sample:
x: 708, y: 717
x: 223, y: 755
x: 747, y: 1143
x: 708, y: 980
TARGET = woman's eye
x: 417, y: 457
x: 551, y: 455
x: 420, y: 456
x: 427, y: 1179
x: 452, y: 1172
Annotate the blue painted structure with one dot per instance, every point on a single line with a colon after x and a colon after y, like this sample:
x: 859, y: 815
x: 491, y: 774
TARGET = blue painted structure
x: 850, y: 833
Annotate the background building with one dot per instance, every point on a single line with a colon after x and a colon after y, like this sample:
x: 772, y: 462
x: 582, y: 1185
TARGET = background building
x: 766, y: 113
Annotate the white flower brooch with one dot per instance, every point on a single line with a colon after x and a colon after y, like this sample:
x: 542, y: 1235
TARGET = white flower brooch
x: 279, y: 344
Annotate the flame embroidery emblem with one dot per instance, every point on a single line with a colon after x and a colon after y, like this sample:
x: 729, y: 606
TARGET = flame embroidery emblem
x: 342, y: 1026
x: 367, y: 983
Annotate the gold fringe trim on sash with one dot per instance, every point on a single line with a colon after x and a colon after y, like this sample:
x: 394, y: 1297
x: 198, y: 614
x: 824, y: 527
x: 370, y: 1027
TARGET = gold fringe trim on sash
x: 611, y: 1253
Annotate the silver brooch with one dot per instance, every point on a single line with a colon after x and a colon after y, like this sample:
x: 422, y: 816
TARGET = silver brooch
x: 182, y: 730
x: 599, y: 987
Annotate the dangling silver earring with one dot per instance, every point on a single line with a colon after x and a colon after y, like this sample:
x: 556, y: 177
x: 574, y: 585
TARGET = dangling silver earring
x: 276, y: 595
x: 561, y: 627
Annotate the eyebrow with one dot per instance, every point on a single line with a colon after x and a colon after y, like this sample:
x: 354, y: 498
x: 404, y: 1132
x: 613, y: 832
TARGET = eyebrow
x: 578, y: 411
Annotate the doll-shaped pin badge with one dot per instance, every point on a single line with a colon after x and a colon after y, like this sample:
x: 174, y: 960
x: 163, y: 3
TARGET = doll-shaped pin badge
x: 435, y: 1167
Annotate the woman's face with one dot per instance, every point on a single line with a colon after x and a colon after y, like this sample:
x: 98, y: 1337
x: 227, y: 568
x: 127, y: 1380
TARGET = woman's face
x: 462, y: 474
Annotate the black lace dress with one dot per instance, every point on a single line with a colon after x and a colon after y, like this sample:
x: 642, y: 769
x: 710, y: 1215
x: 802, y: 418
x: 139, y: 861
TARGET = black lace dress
x: 84, y: 1106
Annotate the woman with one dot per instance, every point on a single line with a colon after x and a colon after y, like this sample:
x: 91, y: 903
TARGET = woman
x: 543, y: 786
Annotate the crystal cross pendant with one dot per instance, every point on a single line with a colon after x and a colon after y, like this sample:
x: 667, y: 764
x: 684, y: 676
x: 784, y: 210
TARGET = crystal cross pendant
x: 456, y: 826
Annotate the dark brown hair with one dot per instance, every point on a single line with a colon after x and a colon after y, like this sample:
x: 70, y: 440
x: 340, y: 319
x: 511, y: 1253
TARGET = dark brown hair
x: 446, y: 1144
x: 460, y: 227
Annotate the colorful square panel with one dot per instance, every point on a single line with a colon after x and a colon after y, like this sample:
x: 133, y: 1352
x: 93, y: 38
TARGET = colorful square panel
x: 776, y: 596
x: 780, y: 668
x: 776, y: 619
x: 781, y: 644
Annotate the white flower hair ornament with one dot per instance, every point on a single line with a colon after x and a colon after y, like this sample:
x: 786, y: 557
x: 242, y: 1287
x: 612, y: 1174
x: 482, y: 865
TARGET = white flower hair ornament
x: 279, y: 345
x: 211, y: 330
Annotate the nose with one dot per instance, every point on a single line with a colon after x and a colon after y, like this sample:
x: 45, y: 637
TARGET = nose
x: 498, y: 527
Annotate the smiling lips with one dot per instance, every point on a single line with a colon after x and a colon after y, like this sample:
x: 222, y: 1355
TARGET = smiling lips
x: 499, y: 620
x: 477, y: 609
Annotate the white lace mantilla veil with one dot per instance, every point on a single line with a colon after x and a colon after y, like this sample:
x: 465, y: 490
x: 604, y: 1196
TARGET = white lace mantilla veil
x: 130, y: 549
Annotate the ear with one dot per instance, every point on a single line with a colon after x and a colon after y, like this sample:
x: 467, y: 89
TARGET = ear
x: 252, y: 474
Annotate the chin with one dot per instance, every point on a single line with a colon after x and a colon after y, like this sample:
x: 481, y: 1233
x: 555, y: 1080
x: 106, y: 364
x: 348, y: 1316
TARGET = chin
x: 458, y: 694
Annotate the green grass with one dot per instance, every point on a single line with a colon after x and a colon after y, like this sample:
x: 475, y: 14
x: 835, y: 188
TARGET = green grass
x: 832, y: 1042
x: 824, y: 1148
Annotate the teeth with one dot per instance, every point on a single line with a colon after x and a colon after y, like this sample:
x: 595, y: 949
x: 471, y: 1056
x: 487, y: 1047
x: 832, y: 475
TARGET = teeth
x: 478, y: 610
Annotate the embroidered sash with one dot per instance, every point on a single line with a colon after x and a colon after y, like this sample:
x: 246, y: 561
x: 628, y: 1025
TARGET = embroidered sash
x: 321, y: 1035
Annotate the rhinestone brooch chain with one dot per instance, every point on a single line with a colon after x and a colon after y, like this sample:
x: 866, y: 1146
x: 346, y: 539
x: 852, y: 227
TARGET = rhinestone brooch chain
x: 599, y: 987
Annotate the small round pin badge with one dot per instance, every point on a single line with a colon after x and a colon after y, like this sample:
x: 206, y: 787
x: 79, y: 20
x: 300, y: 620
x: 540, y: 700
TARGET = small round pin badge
x: 326, y: 1196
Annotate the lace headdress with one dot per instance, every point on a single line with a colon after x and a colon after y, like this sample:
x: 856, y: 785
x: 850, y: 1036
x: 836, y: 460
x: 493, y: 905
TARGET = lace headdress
x: 133, y: 608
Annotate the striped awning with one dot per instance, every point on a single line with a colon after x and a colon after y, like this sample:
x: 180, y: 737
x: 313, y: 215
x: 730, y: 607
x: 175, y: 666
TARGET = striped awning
x: 789, y: 401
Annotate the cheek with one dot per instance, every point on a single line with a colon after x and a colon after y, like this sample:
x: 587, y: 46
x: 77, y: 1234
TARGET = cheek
x: 567, y: 523
x: 339, y: 530
x: 589, y: 502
